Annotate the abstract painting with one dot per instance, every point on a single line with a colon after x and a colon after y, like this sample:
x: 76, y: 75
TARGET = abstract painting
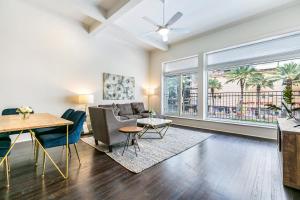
x: 117, y: 87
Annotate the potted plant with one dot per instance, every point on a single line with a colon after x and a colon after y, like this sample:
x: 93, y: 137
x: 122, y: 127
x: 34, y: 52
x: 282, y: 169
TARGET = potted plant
x: 24, y: 111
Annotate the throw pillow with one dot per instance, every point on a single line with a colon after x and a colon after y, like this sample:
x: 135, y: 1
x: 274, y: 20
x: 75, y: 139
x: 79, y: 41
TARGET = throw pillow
x: 139, y: 107
x: 116, y: 110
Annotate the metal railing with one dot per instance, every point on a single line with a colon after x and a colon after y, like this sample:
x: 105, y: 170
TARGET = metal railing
x: 253, y: 107
x: 186, y: 105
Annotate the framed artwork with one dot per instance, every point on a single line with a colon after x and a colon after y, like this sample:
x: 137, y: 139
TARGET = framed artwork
x: 118, y: 87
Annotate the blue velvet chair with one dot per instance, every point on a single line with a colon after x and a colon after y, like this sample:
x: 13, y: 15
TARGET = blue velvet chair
x: 41, y: 131
x: 65, y: 115
x: 56, y: 139
x: 5, y: 143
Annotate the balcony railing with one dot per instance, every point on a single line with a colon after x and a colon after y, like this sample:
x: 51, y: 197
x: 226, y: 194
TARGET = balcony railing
x: 253, y: 107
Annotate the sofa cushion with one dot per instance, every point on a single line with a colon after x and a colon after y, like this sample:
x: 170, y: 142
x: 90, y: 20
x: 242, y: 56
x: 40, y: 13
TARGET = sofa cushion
x: 138, y: 107
x: 133, y: 116
x: 125, y: 109
x: 145, y: 115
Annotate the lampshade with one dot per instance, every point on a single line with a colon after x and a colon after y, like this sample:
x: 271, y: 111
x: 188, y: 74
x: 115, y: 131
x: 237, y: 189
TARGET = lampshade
x: 150, y: 91
x: 86, y: 99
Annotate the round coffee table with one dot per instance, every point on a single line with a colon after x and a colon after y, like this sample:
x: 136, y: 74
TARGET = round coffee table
x: 131, y: 131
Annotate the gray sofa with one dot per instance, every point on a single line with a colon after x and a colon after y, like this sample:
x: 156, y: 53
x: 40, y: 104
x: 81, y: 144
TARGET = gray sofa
x: 125, y: 111
x: 105, y: 126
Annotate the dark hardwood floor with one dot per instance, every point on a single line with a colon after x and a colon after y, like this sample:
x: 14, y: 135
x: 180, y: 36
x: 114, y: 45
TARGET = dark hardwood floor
x: 222, y: 167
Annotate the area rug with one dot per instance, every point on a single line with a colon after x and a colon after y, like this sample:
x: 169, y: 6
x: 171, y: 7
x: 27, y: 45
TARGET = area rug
x: 152, y: 151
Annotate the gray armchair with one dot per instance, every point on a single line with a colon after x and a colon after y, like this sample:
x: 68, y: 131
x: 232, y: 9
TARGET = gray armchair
x: 106, y: 126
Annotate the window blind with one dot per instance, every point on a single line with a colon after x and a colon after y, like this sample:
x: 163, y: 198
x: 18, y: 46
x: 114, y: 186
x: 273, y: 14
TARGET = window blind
x: 276, y: 49
x: 181, y: 65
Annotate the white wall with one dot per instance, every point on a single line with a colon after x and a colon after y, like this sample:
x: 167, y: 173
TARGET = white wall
x: 46, y: 58
x: 272, y: 24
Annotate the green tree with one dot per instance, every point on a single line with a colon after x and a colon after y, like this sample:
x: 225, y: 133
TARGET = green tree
x: 240, y: 75
x: 259, y: 81
x: 289, y: 73
x: 214, y: 84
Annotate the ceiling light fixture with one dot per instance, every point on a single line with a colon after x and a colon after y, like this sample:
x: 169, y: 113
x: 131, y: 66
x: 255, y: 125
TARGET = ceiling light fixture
x: 165, y: 27
x: 163, y: 31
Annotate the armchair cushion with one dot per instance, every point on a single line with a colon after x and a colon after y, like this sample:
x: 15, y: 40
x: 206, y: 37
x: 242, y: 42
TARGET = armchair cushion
x: 125, y: 109
x: 121, y: 118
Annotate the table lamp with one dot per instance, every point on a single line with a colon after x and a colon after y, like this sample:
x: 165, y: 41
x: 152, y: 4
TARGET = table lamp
x: 86, y: 99
x: 149, y: 92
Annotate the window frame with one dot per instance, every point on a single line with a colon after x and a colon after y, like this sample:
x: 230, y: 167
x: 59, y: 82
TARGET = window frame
x: 267, y: 59
x: 178, y: 73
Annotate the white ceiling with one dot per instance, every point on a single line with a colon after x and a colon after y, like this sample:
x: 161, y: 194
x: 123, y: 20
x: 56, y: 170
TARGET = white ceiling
x: 198, y: 15
x: 126, y: 15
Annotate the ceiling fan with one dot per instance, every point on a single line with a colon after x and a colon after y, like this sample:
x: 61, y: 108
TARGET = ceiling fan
x: 165, y: 28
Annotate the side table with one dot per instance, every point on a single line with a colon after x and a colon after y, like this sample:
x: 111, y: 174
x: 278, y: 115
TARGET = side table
x: 131, y: 132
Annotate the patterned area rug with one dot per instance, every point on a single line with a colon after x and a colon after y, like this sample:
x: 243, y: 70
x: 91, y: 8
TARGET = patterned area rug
x: 152, y: 151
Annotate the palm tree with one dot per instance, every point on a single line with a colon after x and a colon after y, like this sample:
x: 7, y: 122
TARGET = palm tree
x: 214, y: 84
x: 289, y: 73
x: 240, y: 75
x: 259, y: 81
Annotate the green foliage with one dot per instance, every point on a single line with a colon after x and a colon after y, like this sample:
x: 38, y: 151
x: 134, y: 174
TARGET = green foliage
x: 240, y: 74
x: 288, y: 95
x: 259, y: 81
x: 273, y: 107
x: 214, y: 84
x: 289, y: 73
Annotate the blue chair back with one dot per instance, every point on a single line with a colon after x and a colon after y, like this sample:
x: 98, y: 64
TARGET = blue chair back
x: 67, y: 113
x: 10, y: 111
x: 78, y: 118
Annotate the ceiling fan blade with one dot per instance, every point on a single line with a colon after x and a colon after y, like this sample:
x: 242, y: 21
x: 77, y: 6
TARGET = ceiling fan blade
x: 150, y: 21
x: 180, y: 30
x: 174, y: 19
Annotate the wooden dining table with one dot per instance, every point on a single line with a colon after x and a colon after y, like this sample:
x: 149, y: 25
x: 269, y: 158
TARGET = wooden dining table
x: 15, y: 123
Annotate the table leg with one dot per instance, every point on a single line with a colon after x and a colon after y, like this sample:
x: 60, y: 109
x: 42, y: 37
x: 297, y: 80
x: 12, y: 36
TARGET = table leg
x: 67, y: 153
x: 65, y: 176
x: 134, y: 147
x: 5, y: 158
x: 145, y: 129
x: 10, y: 148
x: 126, y: 144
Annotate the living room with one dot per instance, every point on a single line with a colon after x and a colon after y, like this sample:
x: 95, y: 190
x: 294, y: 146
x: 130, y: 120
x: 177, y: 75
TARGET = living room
x: 150, y: 99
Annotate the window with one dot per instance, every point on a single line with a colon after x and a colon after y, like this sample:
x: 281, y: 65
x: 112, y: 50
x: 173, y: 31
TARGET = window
x: 180, y: 93
x: 243, y: 82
